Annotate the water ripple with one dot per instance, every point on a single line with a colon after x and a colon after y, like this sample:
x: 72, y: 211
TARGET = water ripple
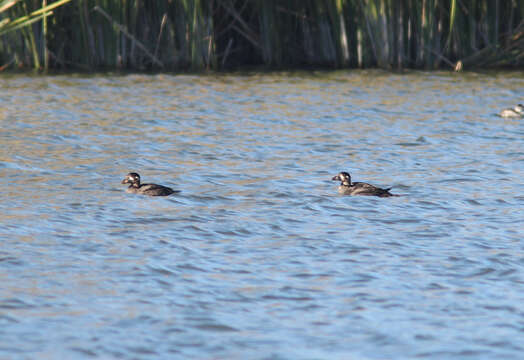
x: 258, y: 256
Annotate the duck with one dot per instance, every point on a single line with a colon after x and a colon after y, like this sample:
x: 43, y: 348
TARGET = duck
x: 517, y: 111
x: 359, y: 188
x: 146, y: 189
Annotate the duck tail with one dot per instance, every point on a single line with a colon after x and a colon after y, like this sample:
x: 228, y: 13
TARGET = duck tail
x: 388, y: 194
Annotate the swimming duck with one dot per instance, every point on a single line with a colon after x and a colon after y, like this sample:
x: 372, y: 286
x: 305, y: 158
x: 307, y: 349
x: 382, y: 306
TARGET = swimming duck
x: 517, y: 111
x: 146, y: 189
x: 359, y: 188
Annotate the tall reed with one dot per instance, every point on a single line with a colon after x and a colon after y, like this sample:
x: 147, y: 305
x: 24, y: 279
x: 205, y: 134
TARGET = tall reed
x: 178, y: 35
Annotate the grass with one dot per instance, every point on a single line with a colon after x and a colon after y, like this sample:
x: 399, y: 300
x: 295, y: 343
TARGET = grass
x: 180, y: 35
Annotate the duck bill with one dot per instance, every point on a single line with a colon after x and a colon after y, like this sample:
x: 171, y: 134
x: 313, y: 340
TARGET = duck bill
x: 335, y: 178
x: 125, y: 181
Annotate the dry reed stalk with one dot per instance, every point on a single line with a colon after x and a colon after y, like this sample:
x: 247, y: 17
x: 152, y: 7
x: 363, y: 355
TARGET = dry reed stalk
x: 216, y: 34
x: 124, y: 31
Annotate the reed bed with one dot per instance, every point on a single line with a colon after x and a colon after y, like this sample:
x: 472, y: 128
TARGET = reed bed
x: 181, y: 35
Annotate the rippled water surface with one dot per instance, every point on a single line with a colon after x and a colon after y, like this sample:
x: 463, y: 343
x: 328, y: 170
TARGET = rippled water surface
x: 258, y: 257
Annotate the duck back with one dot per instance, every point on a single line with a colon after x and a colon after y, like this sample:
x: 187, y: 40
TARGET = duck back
x: 151, y: 190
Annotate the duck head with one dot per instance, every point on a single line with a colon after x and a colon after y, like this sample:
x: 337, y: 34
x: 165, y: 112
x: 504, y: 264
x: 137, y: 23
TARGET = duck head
x: 343, y: 177
x: 133, y: 179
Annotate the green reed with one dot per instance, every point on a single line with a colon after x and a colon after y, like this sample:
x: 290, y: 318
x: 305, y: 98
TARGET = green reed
x: 178, y: 35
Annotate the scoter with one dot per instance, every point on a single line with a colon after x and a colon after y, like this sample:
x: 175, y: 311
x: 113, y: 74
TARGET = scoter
x: 147, y: 189
x: 359, y: 188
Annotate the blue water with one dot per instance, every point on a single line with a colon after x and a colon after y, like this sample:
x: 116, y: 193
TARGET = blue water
x: 259, y: 257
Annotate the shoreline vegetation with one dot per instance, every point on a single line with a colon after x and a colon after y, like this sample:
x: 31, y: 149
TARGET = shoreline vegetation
x: 200, y: 35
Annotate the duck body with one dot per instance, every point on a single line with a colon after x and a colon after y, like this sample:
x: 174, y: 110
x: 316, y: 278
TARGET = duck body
x: 136, y: 187
x: 359, y: 188
x: 517, y: 111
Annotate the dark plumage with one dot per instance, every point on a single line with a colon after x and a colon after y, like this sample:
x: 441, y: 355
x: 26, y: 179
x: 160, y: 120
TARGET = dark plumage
x: 359, y: 188
x: 147, y: 189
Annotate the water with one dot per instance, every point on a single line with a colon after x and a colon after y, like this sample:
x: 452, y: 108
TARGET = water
x: 258, y: 257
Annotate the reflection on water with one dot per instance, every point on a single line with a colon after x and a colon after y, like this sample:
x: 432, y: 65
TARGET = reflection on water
x: 258, y: 256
